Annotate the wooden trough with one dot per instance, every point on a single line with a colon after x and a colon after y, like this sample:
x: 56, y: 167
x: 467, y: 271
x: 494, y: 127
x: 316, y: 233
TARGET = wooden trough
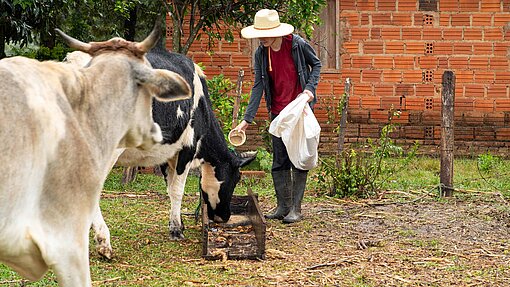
x: 242, y: 237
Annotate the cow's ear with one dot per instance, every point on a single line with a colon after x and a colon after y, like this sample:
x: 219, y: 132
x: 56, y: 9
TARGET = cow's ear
x: 246, y: 158
x: 168, y: 86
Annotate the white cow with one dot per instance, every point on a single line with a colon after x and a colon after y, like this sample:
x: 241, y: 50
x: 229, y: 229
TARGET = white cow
x: 59, y: 127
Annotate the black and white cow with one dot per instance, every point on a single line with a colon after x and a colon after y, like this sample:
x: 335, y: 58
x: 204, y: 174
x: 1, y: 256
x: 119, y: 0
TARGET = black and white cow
x: 192, y: 138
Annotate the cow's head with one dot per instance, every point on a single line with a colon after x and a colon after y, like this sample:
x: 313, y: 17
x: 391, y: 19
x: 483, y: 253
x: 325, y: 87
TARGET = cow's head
x: 131, y: 77
x: 218, y: 183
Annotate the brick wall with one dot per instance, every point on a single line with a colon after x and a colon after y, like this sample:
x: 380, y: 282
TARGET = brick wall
x: 395, y: 53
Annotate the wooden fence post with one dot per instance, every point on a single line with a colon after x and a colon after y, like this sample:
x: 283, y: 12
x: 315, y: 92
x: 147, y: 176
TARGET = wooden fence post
x: 447, y: 134
x: 343, y: 120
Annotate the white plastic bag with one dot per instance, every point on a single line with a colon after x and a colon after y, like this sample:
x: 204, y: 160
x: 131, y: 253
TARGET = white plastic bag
x: 299, y: 129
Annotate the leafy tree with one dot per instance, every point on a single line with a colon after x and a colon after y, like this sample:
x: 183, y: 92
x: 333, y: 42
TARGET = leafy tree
x: 189, y: 17
x: 15, y: 22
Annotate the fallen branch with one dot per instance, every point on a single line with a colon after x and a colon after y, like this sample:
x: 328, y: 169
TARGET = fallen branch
x: 106, y: 281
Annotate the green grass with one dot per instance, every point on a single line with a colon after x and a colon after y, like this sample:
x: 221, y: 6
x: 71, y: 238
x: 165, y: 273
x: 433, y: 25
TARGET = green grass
x: 144, y: 256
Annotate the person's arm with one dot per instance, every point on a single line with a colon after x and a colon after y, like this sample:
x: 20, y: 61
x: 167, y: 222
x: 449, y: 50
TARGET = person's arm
x: 256, y: 91
x: 315, y: 64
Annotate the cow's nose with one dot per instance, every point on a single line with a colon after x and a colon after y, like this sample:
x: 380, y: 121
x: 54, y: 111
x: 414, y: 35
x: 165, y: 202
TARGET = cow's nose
x: 156, y: 134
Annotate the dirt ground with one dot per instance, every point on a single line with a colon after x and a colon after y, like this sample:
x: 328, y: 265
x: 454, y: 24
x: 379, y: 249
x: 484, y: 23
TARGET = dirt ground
x: 422, y: 241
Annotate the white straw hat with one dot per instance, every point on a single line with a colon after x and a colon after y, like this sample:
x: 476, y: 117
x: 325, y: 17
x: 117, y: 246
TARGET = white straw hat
x: 267, y: 24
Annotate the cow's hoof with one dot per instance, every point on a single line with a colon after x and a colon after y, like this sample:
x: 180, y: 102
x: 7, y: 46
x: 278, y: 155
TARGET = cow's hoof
x: 176, y: 235
x: 105, y: 252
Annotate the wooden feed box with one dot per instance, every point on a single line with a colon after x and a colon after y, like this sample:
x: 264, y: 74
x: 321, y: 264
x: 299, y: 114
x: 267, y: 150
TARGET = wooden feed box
x: 242, y: 237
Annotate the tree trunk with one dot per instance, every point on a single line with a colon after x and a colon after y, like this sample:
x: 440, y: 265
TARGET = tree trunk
x: 2, y: 41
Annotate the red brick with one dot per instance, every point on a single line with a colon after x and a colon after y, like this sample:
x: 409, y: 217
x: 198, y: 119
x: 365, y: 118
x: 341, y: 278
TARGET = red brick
x: 462, y: 77
x: 361, y: 61
x: 352, y: 18
x: 366, y: 5
x: 347, y: 4
x: 407, y: 5
x: 494, y: 119
x: 383, y: 90
x: 386, y: 5
x: 502, y: 105
x: 492, y: 34
x: 497, y: 91
x: 500, y: 19
x: 365, y: 19
x: 379, y: 117
x: 363, y: 90
x: 372, y: 76
x: 452, y: 34
x: 414, y: 104
x: 229, y: 47
x: 383, y: 62
x: 354, y: 74
x: 463, y: 104
x: 427, y: 62
x: 478, y: 63
x: 393, y: 47
x: 461, y: 20
x: 443, y: 48
x: 468, y: 6
x: 486, y: 77
x: 354, y: 102
x: 401, y: 19
x: 490, y: 6
x: 404, y: 62
x: 351, y: 47
x: 392, y: 76
x: 359, y: 33
x: 501, y: 48
x: 458, y: 62
x: 409, y: 33
x: 484, y: 105
x: 375, y: 33
x: 412, y: 76
x: 373, y: 47
x: 442, y: 63
x: 474, y: 91
x: 432, y: 34
x: 481, y: 19
x: 462, y: 48
x: 448, y: 6
x: 346, y: 61
x: 241, y: 60
x: 381, y: 18
x: 390, y: 102
x: 482, y: 48
x: 371, y: 102
x: 502, y: 77
x: 472, y: 34
x: 503, y: 134
x: 445, y: 19
x: 392, y: 33
x: 406, y: 90
x: 499, y: 63
x: 425, y: 90
x: 415, y: 48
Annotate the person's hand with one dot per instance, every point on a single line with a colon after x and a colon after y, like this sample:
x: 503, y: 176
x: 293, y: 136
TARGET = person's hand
x: 310, y: 95
x: 242, y: 126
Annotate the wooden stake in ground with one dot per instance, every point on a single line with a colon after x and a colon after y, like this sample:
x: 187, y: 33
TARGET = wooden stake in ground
x: 343, y: 120
x: 447, y: 134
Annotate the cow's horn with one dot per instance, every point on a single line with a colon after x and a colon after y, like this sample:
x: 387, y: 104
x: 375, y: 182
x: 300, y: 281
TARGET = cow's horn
x: 74, y: 43
x: 151, y: 40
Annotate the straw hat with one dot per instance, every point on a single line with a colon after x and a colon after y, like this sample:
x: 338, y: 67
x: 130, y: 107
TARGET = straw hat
x: 267, y: 24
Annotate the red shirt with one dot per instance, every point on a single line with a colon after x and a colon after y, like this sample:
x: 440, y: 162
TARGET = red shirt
x: 282, y: 70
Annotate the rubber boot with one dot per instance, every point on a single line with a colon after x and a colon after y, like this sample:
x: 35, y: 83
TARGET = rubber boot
x: 298, y: 191
x: 282, y: 184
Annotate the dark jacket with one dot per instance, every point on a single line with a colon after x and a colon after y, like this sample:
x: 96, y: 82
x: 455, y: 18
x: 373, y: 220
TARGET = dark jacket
x: 308, y: 67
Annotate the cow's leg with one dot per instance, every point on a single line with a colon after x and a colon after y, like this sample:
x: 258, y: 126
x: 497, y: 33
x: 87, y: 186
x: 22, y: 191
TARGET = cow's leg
x: 68, y: 256
x: 175, y: 189
x: 101, y: 235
